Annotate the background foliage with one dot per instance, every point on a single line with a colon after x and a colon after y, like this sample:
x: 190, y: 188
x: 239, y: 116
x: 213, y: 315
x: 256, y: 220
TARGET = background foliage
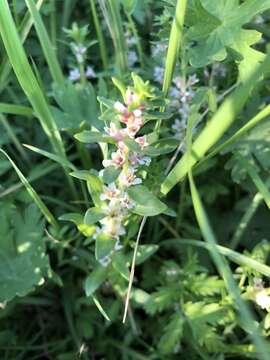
x: 199, y: 220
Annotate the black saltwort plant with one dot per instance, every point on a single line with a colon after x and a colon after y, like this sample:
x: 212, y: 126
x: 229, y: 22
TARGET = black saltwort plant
x: 126, y: 103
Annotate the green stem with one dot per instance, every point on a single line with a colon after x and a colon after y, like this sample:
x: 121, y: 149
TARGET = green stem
x: 101, y: 41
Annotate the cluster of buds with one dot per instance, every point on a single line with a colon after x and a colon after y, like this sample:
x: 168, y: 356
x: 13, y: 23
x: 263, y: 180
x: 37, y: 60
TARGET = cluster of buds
x: 79, y: 72
x: 129, y: 120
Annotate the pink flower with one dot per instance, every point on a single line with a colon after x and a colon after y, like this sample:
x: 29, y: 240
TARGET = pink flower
x: 136, y: 159
x: 118, y: 159
x: 114, y: 132
x: 142, y: 141
x: 110, y: 192
x: 122, y: 146
x: 128, y: 178
x: 133, y: 126
x: 130, y: 97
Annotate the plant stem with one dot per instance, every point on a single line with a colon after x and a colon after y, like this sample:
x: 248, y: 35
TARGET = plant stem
x: 101, y: 41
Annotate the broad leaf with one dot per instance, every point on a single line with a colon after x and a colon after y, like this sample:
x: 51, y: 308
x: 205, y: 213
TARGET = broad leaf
x: 147, y: 204
x: 23, y: 261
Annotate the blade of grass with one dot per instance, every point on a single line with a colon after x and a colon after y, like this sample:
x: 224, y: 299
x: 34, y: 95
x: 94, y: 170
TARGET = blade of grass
x: 60, y: 160
x: 239, y: 133
x: 43, y: 208
x: 46, y: 44
x: 173, y: 50
x: 234, y: 256
x: 225, y: 272
x: 245, y: 220
x: 43, y: 169
x: 111, y: 12
x: 24, y: 28
x: 258, y: 182
x: 101, y: 41
x: 174, y: 44
x: 29, y: 83
x: 216, y: 127
x: 15, y: 109
x: 25, y: 75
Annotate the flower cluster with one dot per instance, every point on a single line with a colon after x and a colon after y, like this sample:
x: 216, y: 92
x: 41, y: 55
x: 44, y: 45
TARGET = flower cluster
x: 128, y: 122
x: 81, y: 71
x: 182, y: 94
x: 131, y: 55
x: 158, y: 52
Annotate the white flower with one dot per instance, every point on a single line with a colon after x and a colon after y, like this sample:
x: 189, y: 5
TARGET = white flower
x: 110, y: 192
x: 174, y: 92
x: 118, y: 106
x: 158, y: 49
x: 132, y: 57
x: 259, y: 19
x: 262, y: 299
x: 74, y: 75
x: 105, y: 261
x: 89, y: 73
x: 112, y: 227
x: 128, y: 178
x: 142, y: 141
x: 118, y: 159
x: 79, y: 50
x: 131, y: 40
x: 118, y: 245
x: 127, y: 202
x: 137, y: 113
x: 158, y: 74
x: 192, y: 80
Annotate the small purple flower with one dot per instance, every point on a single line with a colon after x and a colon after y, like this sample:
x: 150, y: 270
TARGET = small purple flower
x: 74, y: 75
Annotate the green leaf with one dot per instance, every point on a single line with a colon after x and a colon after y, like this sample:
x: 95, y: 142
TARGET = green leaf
x: 46, y: 44
x: 110, y: 174
x: 95, y: 279
x: 119, y: 262
x: 76, y: 218
x: 60, y: 160
x: 23, y: 262
x: 217, y: 28
x: 104, y: 246
x: 93, y: 215
x: 89, y: 137
x: 144, y: 252
x: 94, y: 184
x: 129, y: 5
x: 147, y: 204
x: 172, y: 334
x: 78, y: 105
x: 161, y: 147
